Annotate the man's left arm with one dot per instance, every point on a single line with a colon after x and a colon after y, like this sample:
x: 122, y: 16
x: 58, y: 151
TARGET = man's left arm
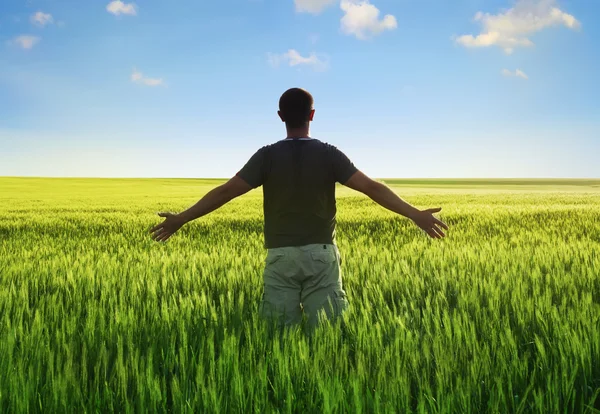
x: 213, y: 200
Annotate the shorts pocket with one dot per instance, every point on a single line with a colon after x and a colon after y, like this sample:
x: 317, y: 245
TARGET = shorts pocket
x: 338, y: 255
x: 340, y: 301
x: 274, y: 257
x: 324, y: 257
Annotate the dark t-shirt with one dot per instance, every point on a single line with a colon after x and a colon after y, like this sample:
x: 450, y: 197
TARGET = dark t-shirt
x: 298, y: 178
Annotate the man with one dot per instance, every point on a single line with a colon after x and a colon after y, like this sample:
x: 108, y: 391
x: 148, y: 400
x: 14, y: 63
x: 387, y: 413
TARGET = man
x: 298, y: 175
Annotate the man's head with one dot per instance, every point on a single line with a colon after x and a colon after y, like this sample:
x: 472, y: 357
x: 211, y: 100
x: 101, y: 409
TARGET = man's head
x: 296, y: 108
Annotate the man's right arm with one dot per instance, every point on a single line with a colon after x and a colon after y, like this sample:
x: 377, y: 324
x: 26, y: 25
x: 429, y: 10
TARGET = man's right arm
x: 385, y: 197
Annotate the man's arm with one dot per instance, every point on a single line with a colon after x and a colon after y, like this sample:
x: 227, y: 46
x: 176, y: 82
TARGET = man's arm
x: 385, y: 197
x: 216, y: 198
x: 213, y: 200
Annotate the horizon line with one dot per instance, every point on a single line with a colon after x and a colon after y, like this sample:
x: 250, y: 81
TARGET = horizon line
x: 376, y: 178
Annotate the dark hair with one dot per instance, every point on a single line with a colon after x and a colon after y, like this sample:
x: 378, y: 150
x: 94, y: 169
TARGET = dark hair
x: 295, y: 106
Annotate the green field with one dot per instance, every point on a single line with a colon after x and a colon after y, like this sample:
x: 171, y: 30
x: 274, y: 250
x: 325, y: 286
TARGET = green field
x: 501, y: 316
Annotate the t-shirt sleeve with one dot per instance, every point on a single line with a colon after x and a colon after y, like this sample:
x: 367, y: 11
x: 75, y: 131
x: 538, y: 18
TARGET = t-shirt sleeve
x: 254, y: 170
x: 343, y: 168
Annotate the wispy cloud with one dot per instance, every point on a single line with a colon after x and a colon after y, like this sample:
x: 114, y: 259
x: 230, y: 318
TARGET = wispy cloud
x: 516, y: 74
x: 41, y: 19
x: 510, y: 29
x: 361, y: 19
x: 117, y: 7
x: 313, y: 6
x: 293, y: 58
x: 25, y: 41
x: 138, y: 77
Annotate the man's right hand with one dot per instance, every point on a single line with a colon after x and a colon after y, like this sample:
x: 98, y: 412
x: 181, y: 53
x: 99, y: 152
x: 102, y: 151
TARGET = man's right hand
x: 429, y: 223
x: 385, y: 197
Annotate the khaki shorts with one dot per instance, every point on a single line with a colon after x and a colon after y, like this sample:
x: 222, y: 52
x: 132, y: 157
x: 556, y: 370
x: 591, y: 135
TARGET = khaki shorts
x: 305, y: 279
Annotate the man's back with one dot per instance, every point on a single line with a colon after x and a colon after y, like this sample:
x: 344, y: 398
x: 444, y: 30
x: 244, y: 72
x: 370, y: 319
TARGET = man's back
x: 298, y: 178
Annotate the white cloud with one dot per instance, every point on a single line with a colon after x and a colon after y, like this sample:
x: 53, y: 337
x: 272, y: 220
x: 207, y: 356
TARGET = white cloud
x: 117, y: 7
x: 41, y: 19
x: 361, y: 19
x: 313, y: 6
x: 516, y: 74
x: 25, y: 41
x: 294, y: 58
x: 138, y: 77
x: 509, y: 30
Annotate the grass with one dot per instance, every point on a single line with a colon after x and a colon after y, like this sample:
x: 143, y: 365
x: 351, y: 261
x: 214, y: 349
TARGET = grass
x: 502, y: 316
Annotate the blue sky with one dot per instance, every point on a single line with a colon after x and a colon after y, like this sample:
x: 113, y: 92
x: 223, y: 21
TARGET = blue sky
x: 407, y: 88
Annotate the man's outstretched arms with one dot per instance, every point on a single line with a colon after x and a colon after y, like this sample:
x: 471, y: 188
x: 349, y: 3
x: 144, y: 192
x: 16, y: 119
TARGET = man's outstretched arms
x: 385, y: 197
x: 214, y: 199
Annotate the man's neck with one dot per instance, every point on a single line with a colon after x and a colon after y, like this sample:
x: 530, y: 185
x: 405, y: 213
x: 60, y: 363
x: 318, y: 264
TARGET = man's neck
x: 298, y: 133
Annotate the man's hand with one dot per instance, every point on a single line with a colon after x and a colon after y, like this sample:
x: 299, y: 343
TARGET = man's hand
x: 428, y: 223
x: 214, y: 199
x: 167, y: 228
x: 385, y: 197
